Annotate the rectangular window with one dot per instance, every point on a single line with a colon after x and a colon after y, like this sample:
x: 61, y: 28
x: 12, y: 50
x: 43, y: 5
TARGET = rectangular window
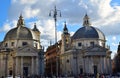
x: 12, y: 43
x: 24, y: 43
x: 6, y: 44
x: 35, y: 45
x: 91, y: 43
x: 79, y: 44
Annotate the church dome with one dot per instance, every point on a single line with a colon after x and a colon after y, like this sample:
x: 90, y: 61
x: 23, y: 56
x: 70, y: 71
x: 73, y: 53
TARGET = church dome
x: 87, y: 31
x: 20, y: 32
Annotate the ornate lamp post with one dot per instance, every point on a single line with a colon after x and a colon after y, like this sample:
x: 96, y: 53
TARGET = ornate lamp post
x: 55, y: 13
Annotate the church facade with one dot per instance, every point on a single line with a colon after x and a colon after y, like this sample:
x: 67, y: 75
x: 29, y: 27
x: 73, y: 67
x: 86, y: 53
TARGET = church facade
x: 21, y: 53
x: 85, y: 52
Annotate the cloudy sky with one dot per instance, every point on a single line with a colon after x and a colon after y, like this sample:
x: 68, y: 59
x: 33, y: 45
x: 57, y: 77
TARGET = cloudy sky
x: 104, y: 14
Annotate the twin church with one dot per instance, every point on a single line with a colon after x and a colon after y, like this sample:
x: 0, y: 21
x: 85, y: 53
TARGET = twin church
x: 85, y: 52
x: 21, y: 53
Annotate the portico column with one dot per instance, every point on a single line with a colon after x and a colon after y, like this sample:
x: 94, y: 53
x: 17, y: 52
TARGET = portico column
x: 92, y: 69
x: 87, y: 65
x: 32, y: 67
x: 101, y: 67
x: 36, y: 65
x: 21, y: 66
x: 105, y: 65
x: 108, y: 66
x: 83, y: 65
x: 16, y: 67
x: 91, y: 64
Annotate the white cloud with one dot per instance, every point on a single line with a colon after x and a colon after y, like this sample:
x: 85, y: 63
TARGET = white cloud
x: 102, y: 14
x: 24, y: 2
x: 30, y: 13
x: 113, y: 54
x: 59, y: 35
x: 8, y: 25
x: 105, y: 8
x: 28, y: 1
x: 114, y: 38
x: 46, y: 27
x: 114, y: 44
x: 71, y: 33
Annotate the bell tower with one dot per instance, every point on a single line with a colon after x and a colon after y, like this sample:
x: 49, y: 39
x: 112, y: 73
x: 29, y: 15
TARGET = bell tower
x: 65, y: 39
x: 37, y: 43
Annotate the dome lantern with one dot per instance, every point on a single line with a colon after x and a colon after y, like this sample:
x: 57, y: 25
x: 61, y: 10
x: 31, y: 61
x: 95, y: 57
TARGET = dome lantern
x: 20, y: 21
x: 86, y: 21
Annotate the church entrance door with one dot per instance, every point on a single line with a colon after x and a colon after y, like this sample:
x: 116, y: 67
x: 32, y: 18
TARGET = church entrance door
x: 95, y: 71
x: 25, y: 71
x: 81, y: 71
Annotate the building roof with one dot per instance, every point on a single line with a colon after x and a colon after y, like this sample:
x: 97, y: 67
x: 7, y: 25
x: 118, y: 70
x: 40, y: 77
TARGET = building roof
x: 88, y: 32
x: 20, y: 32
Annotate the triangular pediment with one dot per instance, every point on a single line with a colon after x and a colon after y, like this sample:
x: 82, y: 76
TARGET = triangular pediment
x: 96, y: 48
x: 96, y: 51
x: 27, y: 51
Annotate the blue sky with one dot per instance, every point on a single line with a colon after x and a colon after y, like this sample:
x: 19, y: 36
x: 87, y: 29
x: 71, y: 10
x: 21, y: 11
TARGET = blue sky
x: 104, y: 14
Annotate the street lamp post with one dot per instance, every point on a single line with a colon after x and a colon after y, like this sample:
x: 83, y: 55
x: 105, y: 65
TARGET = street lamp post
x: 55, y: 15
